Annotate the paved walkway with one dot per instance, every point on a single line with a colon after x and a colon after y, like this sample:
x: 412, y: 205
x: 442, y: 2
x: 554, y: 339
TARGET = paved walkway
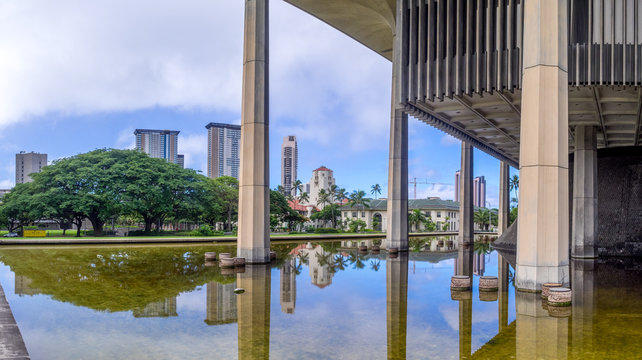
x: 11, y: 344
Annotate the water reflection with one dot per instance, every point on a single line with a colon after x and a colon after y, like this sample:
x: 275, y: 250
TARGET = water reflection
x: 254, y: 313
x: 165, y: 308
x: 397, y: 304
x: 288, y: 286
x: 221, y: 303
x: 539, y: 335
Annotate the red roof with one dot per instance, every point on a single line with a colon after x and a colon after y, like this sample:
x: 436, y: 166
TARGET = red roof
x: 296, y: 206
x: 323, y: 168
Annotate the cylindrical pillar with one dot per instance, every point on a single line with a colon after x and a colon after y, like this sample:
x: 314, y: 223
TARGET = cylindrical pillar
x: 254, y: 192
x: 466, y: 220
x: 542, y: 234
x: 504, y: 199
x: 584, y: 193
x: 397, y: 228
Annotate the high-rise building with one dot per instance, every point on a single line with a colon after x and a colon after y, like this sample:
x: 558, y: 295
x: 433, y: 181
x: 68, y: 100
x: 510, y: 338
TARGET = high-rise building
x: 180, y: 160
x: 289, y: 163
x: 158, y: 143
x: 479, y: 189
x: 27, y: 164
x: 223, y: 157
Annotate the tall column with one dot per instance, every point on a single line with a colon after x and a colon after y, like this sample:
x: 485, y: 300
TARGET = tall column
x: 504, y: 199
x: 542, y: 233
x: 397, y: 305
x: 254, y: 313
x: 466, y: 220
x: 585, y: 193
x: 254, y: 192
x: 397, y: 236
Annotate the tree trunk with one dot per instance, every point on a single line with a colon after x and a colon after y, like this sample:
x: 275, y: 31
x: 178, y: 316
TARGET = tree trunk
x: 97, y: 224
x: 148, y: 224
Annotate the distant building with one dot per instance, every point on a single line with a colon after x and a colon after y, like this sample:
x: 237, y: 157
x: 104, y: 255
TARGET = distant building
x: 289, y: 163
x: 322, y: 178
x: 158, y: 143
x: 223, y: 142
x: 27, y: 164
x: 221, y: 304
x: 479, y: 189
x: 288, y: 286
x: 165, y: 308
x: 180, y: 160
x: 4, y: 192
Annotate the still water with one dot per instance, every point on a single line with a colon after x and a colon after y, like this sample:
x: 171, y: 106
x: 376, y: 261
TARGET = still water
x: 318, y: 301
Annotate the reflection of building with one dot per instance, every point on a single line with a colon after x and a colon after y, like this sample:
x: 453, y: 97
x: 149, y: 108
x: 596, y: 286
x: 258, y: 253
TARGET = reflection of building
x: 479, y: 189
x: 163, y: 308
x: 319, y: 263
x: 223, y: 158
x: 289, y: 164
x: 479, y: 264
x: 23, y: 286
x: 28, y: 163
x: 288, y: 286
x: 221, y: 303
x: 158, y: 143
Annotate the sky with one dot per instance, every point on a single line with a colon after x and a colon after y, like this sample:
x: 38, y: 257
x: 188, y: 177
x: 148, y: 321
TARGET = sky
x: 80, y: 75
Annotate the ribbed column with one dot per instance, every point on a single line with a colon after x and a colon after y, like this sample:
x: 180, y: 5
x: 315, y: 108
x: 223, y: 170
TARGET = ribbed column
x: 466, y: 220
x: 585, y: 193
x: 254, y: 192
x: 504, y: 199
x: 397, y: 236
x: 542, y: 245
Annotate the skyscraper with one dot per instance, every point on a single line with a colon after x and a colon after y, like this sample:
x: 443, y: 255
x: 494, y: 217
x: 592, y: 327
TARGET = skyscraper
x: 479, y: 189
x: 27, y: 164
x: 289, y: 163
x: 180, y: 160
x: 158, y: 143
x: 223, y: 158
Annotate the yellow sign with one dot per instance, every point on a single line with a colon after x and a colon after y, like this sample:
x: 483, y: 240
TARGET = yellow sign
x: 35, y: 233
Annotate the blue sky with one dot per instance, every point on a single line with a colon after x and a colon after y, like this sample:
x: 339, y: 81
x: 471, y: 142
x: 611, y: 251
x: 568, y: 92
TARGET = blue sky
x: 76, y: 76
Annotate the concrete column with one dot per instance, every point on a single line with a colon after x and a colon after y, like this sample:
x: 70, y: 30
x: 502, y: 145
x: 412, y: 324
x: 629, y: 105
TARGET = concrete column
x: 254, y: 313
x: 464, y: 261
x: 254, y: 192
x: 585, y: 193
x: 397, y: 305
x: 397, y: 229
x: 504, y: 199
x: 542, y: 234
x: 538, y: 335
x: 466, y: 220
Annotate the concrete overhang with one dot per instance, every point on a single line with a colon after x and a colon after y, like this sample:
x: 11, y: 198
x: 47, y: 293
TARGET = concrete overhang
x: 369, y: 22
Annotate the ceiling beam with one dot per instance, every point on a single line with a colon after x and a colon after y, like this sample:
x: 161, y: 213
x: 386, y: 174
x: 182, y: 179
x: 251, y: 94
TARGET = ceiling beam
x: 481, y: 116
x: 599, y: 115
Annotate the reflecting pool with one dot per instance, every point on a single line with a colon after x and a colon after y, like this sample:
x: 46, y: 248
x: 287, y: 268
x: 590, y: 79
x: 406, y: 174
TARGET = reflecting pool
x: 324, y: 300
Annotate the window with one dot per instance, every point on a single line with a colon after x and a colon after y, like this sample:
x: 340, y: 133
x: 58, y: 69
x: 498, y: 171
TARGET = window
x: 438, y: 214
x: 363, y: 214
x: 354, y: 214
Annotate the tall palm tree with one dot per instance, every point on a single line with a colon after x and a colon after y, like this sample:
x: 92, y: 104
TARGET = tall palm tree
x: 324, y: 198
x: 513, y: 184
x: 341, y: 195
x: 376, y: 190
x: 304, y: 197
x: 298, y: 187
x: 358, y: 199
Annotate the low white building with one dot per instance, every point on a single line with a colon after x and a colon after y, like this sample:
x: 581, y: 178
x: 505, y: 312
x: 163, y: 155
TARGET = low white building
x: 444, y: 213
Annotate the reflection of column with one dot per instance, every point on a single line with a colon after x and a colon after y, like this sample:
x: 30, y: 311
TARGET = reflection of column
x: 254, y: 312
x: 397, y: 305
x: 539, y: 336
x: 466, y: 225
x: 23, y: 286
x: 502, y: 277
x: 288, y: 286
x: 465, y: 327
x: 221, y: 303
x: 254, y: 180
x: 464, y: 261
x: 584, y: 305
x: 397, y: 229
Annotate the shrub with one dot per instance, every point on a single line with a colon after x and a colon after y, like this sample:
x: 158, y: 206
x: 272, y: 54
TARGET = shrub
x: 310, y: 229
x: 206, y: 230
x: 325, y: 231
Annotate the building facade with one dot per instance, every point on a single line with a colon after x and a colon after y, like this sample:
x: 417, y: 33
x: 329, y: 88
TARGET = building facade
x: 479, y: 189
x: 180, y: 160
x: 161, y: 144
x: 322, y: 179
x: 27, y: 164
x: 289, y: 164
x: 223, y: 141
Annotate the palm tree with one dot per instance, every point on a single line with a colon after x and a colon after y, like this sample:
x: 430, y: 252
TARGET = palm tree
x: 376, y: 190
x: 341, y: 195
x: 358, y: 198
x: 323, y: 199
x: 415, y: 218
x: 513, y: 184
x: 304, y: 197
x: 280, y: 189
x: 298, y: 186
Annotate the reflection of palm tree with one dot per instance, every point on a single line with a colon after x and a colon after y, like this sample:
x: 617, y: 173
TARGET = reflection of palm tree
x: 375, y: 264
x: 340, y: 262
x: 482, y: 247
x: 304, y: 258
x: 357, y: 260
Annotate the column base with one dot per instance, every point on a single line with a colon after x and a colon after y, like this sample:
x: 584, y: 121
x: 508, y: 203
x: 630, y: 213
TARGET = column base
x: 529, y: 278
x: 584, y: 252
x: 254, y: 255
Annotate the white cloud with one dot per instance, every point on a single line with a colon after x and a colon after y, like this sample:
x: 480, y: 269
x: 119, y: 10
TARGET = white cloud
x: 194, y: 147
x: 448, y: 140
x: 126, y: 139
x: 443, y: 191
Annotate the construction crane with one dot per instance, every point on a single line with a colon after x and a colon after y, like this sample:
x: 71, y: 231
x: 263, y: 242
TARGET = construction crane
x: 416, y: 181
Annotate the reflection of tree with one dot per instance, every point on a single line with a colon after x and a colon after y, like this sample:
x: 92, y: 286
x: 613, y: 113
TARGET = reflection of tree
x: 482, y: 247
x: 115, y: 279
x: 416, y: 244
x: 375, y: 264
